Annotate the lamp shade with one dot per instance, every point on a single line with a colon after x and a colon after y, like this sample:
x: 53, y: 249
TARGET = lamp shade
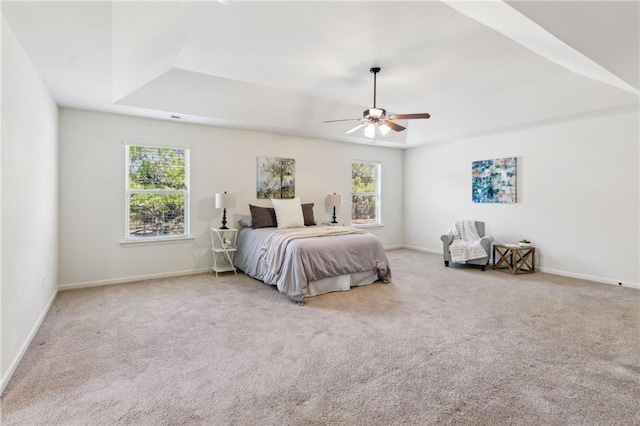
x: 334, y: 200
x: 225, y: 201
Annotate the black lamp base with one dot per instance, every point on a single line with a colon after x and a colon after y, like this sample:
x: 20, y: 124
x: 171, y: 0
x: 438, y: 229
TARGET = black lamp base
x: 224, y: 219
x: 334, y: 216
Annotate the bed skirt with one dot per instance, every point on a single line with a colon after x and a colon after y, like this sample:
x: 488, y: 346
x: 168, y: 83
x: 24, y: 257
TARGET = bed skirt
x: 342, y: 282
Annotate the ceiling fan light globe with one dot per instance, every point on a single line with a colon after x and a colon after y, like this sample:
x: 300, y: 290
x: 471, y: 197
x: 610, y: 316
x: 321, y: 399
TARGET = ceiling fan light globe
x: 384, y: 129
x: 370, y: 131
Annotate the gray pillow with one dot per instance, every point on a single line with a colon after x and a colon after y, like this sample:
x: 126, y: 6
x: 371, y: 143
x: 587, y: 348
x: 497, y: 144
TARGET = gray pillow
x: 263, y: 217
x: 307, y: 212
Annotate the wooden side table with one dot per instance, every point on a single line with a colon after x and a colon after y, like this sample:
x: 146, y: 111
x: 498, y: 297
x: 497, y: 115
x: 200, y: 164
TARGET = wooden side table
x: 514, y: 258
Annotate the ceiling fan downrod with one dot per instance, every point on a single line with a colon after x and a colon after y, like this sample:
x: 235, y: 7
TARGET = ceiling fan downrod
x: 374, y: 71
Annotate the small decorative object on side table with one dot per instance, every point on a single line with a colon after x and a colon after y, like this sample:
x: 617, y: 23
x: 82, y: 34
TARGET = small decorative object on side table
x: 223, y: 248
x: 514, y: 258
x: 524, y: 243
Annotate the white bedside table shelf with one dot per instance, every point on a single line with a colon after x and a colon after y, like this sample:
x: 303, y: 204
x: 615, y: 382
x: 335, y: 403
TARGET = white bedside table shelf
x: 223, y: 248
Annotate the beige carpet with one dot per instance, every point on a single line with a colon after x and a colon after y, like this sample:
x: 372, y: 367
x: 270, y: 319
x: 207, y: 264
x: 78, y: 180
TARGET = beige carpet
x: 437, y: 346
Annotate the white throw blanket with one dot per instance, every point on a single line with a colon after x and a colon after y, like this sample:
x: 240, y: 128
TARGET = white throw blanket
x: 275, y: 245
x: 466, y: 241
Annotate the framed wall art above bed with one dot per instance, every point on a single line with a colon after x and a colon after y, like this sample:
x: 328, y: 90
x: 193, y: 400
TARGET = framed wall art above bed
x: 276, y: 178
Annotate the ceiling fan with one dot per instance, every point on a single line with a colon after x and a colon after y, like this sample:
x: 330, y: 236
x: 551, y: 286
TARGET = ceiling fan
x: 375, y: 120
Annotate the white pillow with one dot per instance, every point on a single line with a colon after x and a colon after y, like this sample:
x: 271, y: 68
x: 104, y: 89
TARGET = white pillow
x: 288, y: 213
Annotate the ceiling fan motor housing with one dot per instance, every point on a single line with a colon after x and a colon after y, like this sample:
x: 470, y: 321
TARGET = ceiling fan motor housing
x: 374, y: 114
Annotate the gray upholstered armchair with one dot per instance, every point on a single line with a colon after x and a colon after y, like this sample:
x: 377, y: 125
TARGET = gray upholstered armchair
x: 485, y: 242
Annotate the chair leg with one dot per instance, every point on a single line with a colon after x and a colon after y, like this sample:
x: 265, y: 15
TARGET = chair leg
x: 446, y: 263
x: 483, y: 267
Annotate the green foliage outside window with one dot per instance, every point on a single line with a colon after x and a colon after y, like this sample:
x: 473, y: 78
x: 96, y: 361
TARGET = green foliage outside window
x: 363, y: 177
x: 157, y: 191
x: 156, y: 168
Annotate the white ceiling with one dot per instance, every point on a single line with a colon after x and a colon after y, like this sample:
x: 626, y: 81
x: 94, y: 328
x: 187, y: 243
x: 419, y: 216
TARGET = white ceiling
x: 284, y: 67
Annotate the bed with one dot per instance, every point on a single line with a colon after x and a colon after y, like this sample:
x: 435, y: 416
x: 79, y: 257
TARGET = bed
x: 312, y: 260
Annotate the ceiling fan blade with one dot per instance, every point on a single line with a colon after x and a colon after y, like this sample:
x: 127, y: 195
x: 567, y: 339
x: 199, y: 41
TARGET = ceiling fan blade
x: 408, y: 116
x: 359, y: 126
x: 346, y: 119
x: 394, y: 126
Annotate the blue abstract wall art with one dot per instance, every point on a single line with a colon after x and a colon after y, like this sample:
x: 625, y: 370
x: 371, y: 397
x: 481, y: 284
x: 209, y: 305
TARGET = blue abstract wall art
x: 494, y: 181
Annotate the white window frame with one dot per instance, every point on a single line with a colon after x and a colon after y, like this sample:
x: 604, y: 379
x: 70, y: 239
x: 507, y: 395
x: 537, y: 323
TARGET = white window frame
x: 185, y: 191
x: 377, y: 194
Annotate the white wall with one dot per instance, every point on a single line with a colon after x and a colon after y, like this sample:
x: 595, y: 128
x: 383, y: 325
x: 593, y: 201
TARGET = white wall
x: 578, y: 192
x: 29, y: 202
x: 92, y: 189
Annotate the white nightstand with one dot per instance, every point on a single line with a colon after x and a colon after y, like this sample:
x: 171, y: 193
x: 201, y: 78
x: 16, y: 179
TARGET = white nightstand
x: 223, y: 248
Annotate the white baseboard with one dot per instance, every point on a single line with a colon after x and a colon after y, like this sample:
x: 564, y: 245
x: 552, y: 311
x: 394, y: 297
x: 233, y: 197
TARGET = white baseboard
x: 4, y: 381
x: 125, y: 280
x: 393, y: 247
x: 550, y: 271
x: 588, y: 277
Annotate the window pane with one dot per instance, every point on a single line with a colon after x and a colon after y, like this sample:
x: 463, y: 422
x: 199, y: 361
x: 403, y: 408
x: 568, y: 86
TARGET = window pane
x: 365, y: 193
x: 363, y: 177
x: 363, y: 209
x: 152, y: 215
x: 156, y: 168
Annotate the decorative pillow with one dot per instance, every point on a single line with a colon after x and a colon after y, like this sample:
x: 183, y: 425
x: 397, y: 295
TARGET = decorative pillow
x: 288, y: 213
x: 246, y: 222
x: 263, y: 217
x: 307, y: 214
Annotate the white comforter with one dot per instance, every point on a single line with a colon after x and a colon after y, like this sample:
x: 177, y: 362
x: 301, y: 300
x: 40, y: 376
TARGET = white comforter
x: 466, y: 242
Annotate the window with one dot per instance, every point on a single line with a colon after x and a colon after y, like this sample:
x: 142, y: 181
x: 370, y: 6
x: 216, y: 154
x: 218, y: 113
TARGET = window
x: 365, y: 193
x: 157, y: 192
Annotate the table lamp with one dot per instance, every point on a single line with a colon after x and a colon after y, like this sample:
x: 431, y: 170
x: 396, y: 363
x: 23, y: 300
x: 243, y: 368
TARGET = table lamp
x: 225, y: 201
x: 334, y: 200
